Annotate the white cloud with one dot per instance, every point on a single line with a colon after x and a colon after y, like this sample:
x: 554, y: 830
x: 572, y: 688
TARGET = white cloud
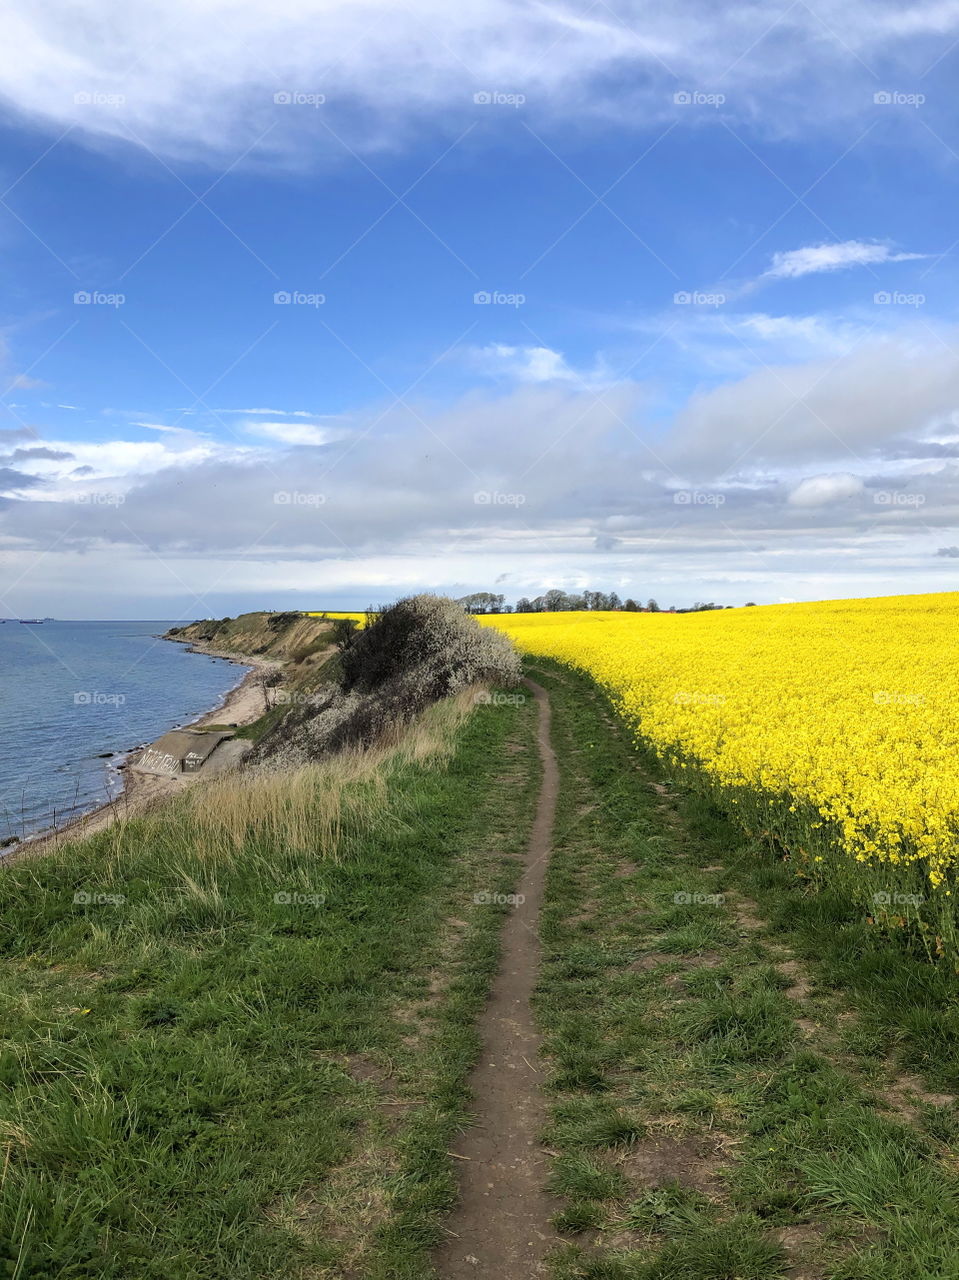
x: 821, y: 491
x: 199, y: 80
x: 164, y: 429
x: 525, y: 364
x: 798, y: 333
x: 845, y: 407
x: 710, y: 343
x: 118, y: 465
x: 535, y: 365
x: 839, y: 256
x: 292, y: 433
x: 396, y: 511
x: 269, y: 413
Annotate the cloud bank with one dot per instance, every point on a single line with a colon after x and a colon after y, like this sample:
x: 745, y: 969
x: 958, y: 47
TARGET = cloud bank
x: 207, y: 81
x: 787, y: 475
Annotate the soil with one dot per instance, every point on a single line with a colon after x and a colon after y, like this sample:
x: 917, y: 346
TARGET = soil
x: 501, y: 1226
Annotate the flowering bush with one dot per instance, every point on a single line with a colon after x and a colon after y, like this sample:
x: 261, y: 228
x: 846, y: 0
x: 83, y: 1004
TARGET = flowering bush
x: 408, y: 656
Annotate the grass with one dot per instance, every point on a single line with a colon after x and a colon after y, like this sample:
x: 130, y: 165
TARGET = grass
x: 745, y: 1036
x: 236, y: 1032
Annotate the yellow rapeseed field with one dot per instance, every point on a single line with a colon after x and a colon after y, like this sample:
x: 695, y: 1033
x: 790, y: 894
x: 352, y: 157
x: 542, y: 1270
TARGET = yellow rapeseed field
x: 335, y: 614
x: 844, y: 713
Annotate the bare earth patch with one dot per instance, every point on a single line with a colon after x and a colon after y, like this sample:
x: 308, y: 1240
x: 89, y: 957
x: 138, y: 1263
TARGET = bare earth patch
x: 694, y: 1162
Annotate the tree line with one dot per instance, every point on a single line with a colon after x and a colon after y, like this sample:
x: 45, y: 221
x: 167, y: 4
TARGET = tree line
x: 556, y: 601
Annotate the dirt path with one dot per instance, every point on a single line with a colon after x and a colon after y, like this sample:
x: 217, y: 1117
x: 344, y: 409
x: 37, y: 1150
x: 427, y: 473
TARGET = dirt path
x: 501, y: 1227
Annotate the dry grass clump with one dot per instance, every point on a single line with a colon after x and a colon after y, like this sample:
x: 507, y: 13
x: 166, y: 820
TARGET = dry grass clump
x: 312, y: 807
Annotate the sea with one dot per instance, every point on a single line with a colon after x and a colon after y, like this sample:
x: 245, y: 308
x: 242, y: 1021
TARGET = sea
x: 76, y: 698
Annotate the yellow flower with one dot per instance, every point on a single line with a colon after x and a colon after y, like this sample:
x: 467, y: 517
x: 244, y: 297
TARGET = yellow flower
x: 848, y: 708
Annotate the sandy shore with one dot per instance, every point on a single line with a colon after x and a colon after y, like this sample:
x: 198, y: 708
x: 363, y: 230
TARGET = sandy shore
x: 141, y: 791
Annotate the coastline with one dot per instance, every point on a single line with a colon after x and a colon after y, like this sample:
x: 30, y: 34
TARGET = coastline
x: 239, y: 706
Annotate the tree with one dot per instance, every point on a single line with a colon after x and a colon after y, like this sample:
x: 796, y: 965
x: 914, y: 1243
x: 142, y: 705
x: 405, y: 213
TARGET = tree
x: 652, y: 606
x: 482, y: 602
x: 524, y: 605
x: 268, y: 681
x: 344, y: 632
x: 613, y: 601
x: 630, y: 606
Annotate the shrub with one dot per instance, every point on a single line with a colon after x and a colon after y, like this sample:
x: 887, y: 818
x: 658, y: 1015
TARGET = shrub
x: 280, y: 621
x: 344, y: 632
x: 415, y: 653
x: 433, y: 638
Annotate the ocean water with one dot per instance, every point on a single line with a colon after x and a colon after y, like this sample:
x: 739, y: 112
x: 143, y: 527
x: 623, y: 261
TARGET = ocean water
x: 73, y: 692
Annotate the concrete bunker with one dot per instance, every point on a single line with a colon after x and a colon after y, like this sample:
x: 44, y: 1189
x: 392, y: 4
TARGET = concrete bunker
x: 178, y: 752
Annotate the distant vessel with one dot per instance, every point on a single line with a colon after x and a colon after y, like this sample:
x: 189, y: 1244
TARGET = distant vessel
x: 32, y: 622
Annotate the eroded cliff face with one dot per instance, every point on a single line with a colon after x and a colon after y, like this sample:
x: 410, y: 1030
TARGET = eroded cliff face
x: 284, y: 636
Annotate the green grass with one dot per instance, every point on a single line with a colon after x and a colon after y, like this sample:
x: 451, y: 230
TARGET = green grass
x: 199, y: 1080
x: 263, y: 724
x: 766, y: 1130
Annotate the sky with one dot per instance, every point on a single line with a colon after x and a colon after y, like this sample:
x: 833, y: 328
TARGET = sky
x: 314, y: 304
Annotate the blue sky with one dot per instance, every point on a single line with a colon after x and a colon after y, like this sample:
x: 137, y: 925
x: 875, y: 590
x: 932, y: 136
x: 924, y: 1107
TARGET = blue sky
x: 313, y: 306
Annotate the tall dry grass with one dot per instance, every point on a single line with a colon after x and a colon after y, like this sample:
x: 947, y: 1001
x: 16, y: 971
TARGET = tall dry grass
x: 312, y: 808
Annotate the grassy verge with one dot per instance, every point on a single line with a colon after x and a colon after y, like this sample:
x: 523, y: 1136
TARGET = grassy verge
x: 741, y: 1066
x: 236, y: 1031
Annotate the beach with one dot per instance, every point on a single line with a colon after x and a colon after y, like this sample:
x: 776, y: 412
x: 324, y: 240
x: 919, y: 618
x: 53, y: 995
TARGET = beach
x: 242, y: 705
